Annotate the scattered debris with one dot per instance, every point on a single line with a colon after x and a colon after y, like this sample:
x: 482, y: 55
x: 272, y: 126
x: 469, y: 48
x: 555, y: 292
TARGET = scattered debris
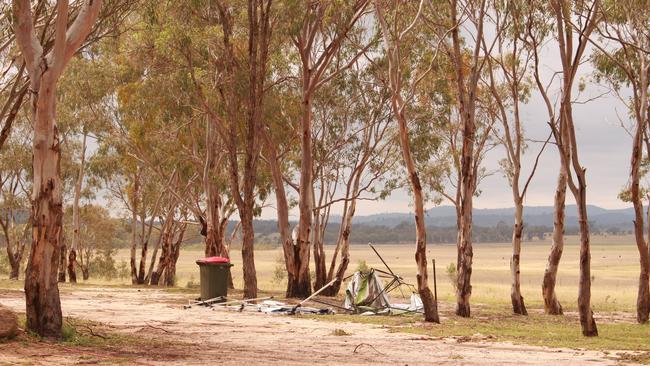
x: 365, y: 294
x: 218, y: 299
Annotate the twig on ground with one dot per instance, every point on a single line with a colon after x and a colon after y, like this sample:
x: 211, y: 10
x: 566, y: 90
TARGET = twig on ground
x: 365, y: 344
x: 88, y: 328
x: 159, y: 328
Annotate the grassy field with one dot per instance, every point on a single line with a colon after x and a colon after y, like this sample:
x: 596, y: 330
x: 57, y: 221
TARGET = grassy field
x: 614, y: 269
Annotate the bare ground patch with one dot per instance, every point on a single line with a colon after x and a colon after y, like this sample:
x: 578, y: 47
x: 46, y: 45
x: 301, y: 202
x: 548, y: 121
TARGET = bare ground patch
x: 166, y: 333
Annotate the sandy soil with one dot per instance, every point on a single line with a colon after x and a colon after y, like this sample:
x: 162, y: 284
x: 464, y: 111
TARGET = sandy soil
x: 203, y: 336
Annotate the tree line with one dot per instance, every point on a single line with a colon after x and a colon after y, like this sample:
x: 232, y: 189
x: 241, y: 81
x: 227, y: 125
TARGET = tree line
x: 209, y: 111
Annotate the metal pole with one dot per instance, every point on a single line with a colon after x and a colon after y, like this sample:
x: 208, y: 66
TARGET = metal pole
x: 383, y: 261
x: 293, y: 310
x: 435, y: 283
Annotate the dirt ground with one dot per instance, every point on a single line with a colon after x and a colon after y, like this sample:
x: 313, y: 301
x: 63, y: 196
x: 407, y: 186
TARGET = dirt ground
x: 204, y: 336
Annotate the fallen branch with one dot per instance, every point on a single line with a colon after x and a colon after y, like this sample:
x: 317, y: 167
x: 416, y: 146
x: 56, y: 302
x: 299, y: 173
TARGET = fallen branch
x: 366, y: 344
x: 154, y: 327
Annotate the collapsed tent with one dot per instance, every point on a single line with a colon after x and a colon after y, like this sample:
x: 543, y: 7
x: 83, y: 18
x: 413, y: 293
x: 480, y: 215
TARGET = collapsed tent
x: 365, y: 291
x: 366, y: 294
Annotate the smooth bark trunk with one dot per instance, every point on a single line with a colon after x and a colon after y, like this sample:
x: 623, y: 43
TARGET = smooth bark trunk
x: 43, y: 305
x: 76, y: 225
x: 587, y: 322
x: 641, y: 105
x: 150, y: 272
x: 466, y: 86
x: 518, y: 306
x: 398, y: 108
x: 552, y: 305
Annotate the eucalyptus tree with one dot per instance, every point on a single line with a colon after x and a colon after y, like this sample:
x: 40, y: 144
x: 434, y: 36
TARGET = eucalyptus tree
x: 44, y: 70
x: 369, y: 158
x: 404, y: 75
x: 575, y: 21
x: 238, y: 59
x: 354, y: 156
x: 14, y: 80
x: 157, y: 177
x: 84, y: 115
x: 328, y: 142
x: 261, y: 22
x: 538, y: 25
x: 280, y: 135
x: 468, y: 67
x: 509, y: 86
x: 323, y: 28
x: 623, y: 61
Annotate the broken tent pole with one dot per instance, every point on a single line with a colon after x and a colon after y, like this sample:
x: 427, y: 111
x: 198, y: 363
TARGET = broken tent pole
x: 213, y: 301
x: 206, y: 302
x: 244, y: 301
x: 293, y: 310
x: 383, y: 261
x: 397, y: 278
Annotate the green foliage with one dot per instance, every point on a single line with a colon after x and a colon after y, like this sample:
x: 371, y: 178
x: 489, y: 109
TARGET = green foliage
x: 279, y: 270
x: 452, y: 275
x: 123, y: 270
x: 4, y: 263
x: 362, y: 267
x: 103, y: 265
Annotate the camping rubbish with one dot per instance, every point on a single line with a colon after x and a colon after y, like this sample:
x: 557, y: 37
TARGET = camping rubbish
x: 221, y: 301
x: 244, y: 302
x: 366, y: 293
x: 271, y: 307
x: 268, y: 306
x: 276, y: 307
x: 207, y: 302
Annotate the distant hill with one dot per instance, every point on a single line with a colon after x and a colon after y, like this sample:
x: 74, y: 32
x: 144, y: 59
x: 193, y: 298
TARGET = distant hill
x: 444, y: 216
x: 490, y: 225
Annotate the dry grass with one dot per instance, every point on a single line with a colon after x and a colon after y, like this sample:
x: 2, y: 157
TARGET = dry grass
x: 614, y: 268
